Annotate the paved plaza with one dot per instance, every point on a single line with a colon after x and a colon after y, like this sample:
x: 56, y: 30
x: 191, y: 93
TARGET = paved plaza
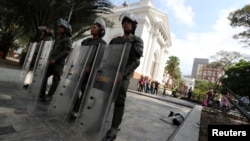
x: 144, y: 118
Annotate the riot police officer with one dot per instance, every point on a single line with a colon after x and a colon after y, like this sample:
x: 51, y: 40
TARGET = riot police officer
x: 97, y: 31
x: 129, y: 24
x: 60, y: 52
x: 46, y: 34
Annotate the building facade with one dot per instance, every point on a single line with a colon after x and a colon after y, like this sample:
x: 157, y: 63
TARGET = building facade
x: 198, y: 62
x: 209, y: 73
x: 153, y: 29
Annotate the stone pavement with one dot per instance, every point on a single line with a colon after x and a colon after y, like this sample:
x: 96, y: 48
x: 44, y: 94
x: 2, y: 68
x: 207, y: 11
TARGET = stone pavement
x: 143, y: 119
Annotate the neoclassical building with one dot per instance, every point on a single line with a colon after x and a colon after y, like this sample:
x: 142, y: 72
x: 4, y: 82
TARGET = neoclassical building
x: 153, y: 29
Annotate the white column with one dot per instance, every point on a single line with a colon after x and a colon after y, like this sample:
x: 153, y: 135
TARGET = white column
x: 161, y: 64
x: 151, y: 54
x: 147, y: 48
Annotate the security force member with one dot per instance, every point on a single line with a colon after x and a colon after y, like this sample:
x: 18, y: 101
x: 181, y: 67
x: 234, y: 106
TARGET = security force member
x: 97, y: 31
x: 60, y: 52
x: 129, y: 24
x: 46, y: 34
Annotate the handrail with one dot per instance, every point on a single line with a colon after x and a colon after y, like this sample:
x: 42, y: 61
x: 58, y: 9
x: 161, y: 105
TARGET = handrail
x: 241, y: 110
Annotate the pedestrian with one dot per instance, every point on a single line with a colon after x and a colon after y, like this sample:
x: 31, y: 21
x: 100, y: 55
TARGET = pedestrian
x: 97, y: 31
x: 145, y: 85
x: 156, y: 87
x: 152, y: 87
x: 60, y: 52
x: 174, y: 91
x: 245, y: 100
x: 164, y: 89
x: 209, y: 96
x: 225, y: 103
x: 141, y: 84
x: 148, y: 86
x: 129, y: 24
x: 190, y: 93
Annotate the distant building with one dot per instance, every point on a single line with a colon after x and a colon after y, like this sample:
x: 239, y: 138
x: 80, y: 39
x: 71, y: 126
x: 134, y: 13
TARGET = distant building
x: 209, y: 73
x: 198, y: 62
x: 189, y: 82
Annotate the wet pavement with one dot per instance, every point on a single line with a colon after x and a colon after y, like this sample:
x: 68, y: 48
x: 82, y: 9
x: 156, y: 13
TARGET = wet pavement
x: 145, y: 117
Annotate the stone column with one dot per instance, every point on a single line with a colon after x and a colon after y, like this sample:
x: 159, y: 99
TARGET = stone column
x: 151, y: 53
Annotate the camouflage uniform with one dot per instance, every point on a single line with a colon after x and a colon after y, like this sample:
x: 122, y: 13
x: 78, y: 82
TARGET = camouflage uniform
x: 88, y: 42
x: 60, y: 52
x: 133, y: 62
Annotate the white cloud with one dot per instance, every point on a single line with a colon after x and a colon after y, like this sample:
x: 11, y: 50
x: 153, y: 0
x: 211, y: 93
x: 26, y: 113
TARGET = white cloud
x: 182, y: 12
x: 206, y: 44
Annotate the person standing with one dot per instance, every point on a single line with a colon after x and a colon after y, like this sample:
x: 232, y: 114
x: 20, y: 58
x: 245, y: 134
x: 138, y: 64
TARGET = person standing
x: 164, y: 89
x: 174, y: 91
x: 245, y: 100
x: 141, y: 83
x: 129, y: 24
x: 152, y: 87
x: 46, y: 34
x: 97, y: 31
x: 148, y: 87
x: 225, y: 104
x: 156, y: 87
x: 60, y: 52
x: 190, y: 93
x: 209, y: 96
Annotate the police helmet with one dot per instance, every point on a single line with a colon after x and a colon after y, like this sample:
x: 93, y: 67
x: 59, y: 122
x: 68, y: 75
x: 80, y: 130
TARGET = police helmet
x: 130, y: 16
x: 66, y: 25
x: 46, y: 29
x: 101, y: 23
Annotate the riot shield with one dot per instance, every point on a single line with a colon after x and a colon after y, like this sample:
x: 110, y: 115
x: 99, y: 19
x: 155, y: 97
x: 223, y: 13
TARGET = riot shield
x: 27, y: 62
x: 80, y: 64
x: 40, y: 69
x: 94, y: 119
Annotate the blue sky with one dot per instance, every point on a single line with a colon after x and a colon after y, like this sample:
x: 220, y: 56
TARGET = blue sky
x: 199, y: 28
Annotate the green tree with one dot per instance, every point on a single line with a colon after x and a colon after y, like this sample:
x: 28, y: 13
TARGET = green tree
x: 241, y: 18
x: 237, y: 78
x: 173, y: 70
x: 9, y: 30
x: 28, y: 15
x: 226, y: 59
x: 201, y: 88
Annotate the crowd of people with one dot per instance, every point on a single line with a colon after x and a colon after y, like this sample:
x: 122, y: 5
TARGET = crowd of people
x: 148, y: 86
x: 217, y: 100
x: 220, y: 101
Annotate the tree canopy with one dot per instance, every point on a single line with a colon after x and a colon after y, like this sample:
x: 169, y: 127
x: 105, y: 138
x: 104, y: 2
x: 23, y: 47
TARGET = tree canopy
x: 237, y: 78
x: 26, y: 16
x: 241, y: 18
x: 226, y: 59
x: 173, y: 70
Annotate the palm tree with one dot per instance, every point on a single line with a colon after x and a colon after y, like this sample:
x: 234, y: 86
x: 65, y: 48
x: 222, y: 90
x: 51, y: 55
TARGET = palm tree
x: 28, y: 15
x: 172, y: 69
x: 9, y: 30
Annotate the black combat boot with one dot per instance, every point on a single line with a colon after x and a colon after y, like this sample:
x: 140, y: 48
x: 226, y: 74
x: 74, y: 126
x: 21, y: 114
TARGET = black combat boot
x: 111, y: 134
